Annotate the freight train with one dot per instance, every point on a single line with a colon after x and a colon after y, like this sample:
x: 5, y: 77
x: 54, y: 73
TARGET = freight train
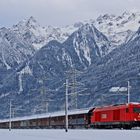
x: 115, y: 116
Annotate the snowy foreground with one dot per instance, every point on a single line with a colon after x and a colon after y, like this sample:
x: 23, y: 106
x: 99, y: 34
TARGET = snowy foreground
x: 71, y: 135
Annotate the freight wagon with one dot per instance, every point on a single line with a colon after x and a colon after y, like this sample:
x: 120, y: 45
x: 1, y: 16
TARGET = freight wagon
x: 77, y: 119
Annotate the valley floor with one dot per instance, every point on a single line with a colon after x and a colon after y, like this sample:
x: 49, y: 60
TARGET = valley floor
x: 51, y: 134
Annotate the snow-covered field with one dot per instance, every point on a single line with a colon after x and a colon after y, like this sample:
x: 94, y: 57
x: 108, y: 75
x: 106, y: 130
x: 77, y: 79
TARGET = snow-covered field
x: 71, y: 135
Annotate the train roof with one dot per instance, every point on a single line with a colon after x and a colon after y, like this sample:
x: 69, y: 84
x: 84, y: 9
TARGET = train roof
x: 47, y: 115
x: 116, y: 106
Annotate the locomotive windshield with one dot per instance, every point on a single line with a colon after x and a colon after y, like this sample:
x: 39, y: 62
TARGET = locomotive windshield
x: 137, y: 110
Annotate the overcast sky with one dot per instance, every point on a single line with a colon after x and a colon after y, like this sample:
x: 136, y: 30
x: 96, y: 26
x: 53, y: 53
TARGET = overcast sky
x: 61, y: 12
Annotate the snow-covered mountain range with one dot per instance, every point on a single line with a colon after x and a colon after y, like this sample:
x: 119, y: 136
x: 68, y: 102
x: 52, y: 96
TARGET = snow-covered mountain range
x: 33, y: 57
x: 117, y: 28
x: 32, y: 36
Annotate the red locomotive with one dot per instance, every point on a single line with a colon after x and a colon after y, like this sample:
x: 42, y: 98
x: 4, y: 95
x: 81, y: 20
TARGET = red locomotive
x: 119, y: 116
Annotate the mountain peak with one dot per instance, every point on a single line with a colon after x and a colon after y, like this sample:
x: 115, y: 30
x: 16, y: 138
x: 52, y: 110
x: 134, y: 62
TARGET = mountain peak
x: 105, y: 17
x: 32, y: 20
x: 126, y: 13
x: 131, y: 13
x: 87, y: 27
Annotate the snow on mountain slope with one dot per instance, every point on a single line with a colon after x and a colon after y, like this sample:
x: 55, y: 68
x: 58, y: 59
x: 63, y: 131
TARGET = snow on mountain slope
x: 89, y: 44
x: 31, y: 31
x: 14, y: 50
x: 38, y: 36
x: 118, y: 29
